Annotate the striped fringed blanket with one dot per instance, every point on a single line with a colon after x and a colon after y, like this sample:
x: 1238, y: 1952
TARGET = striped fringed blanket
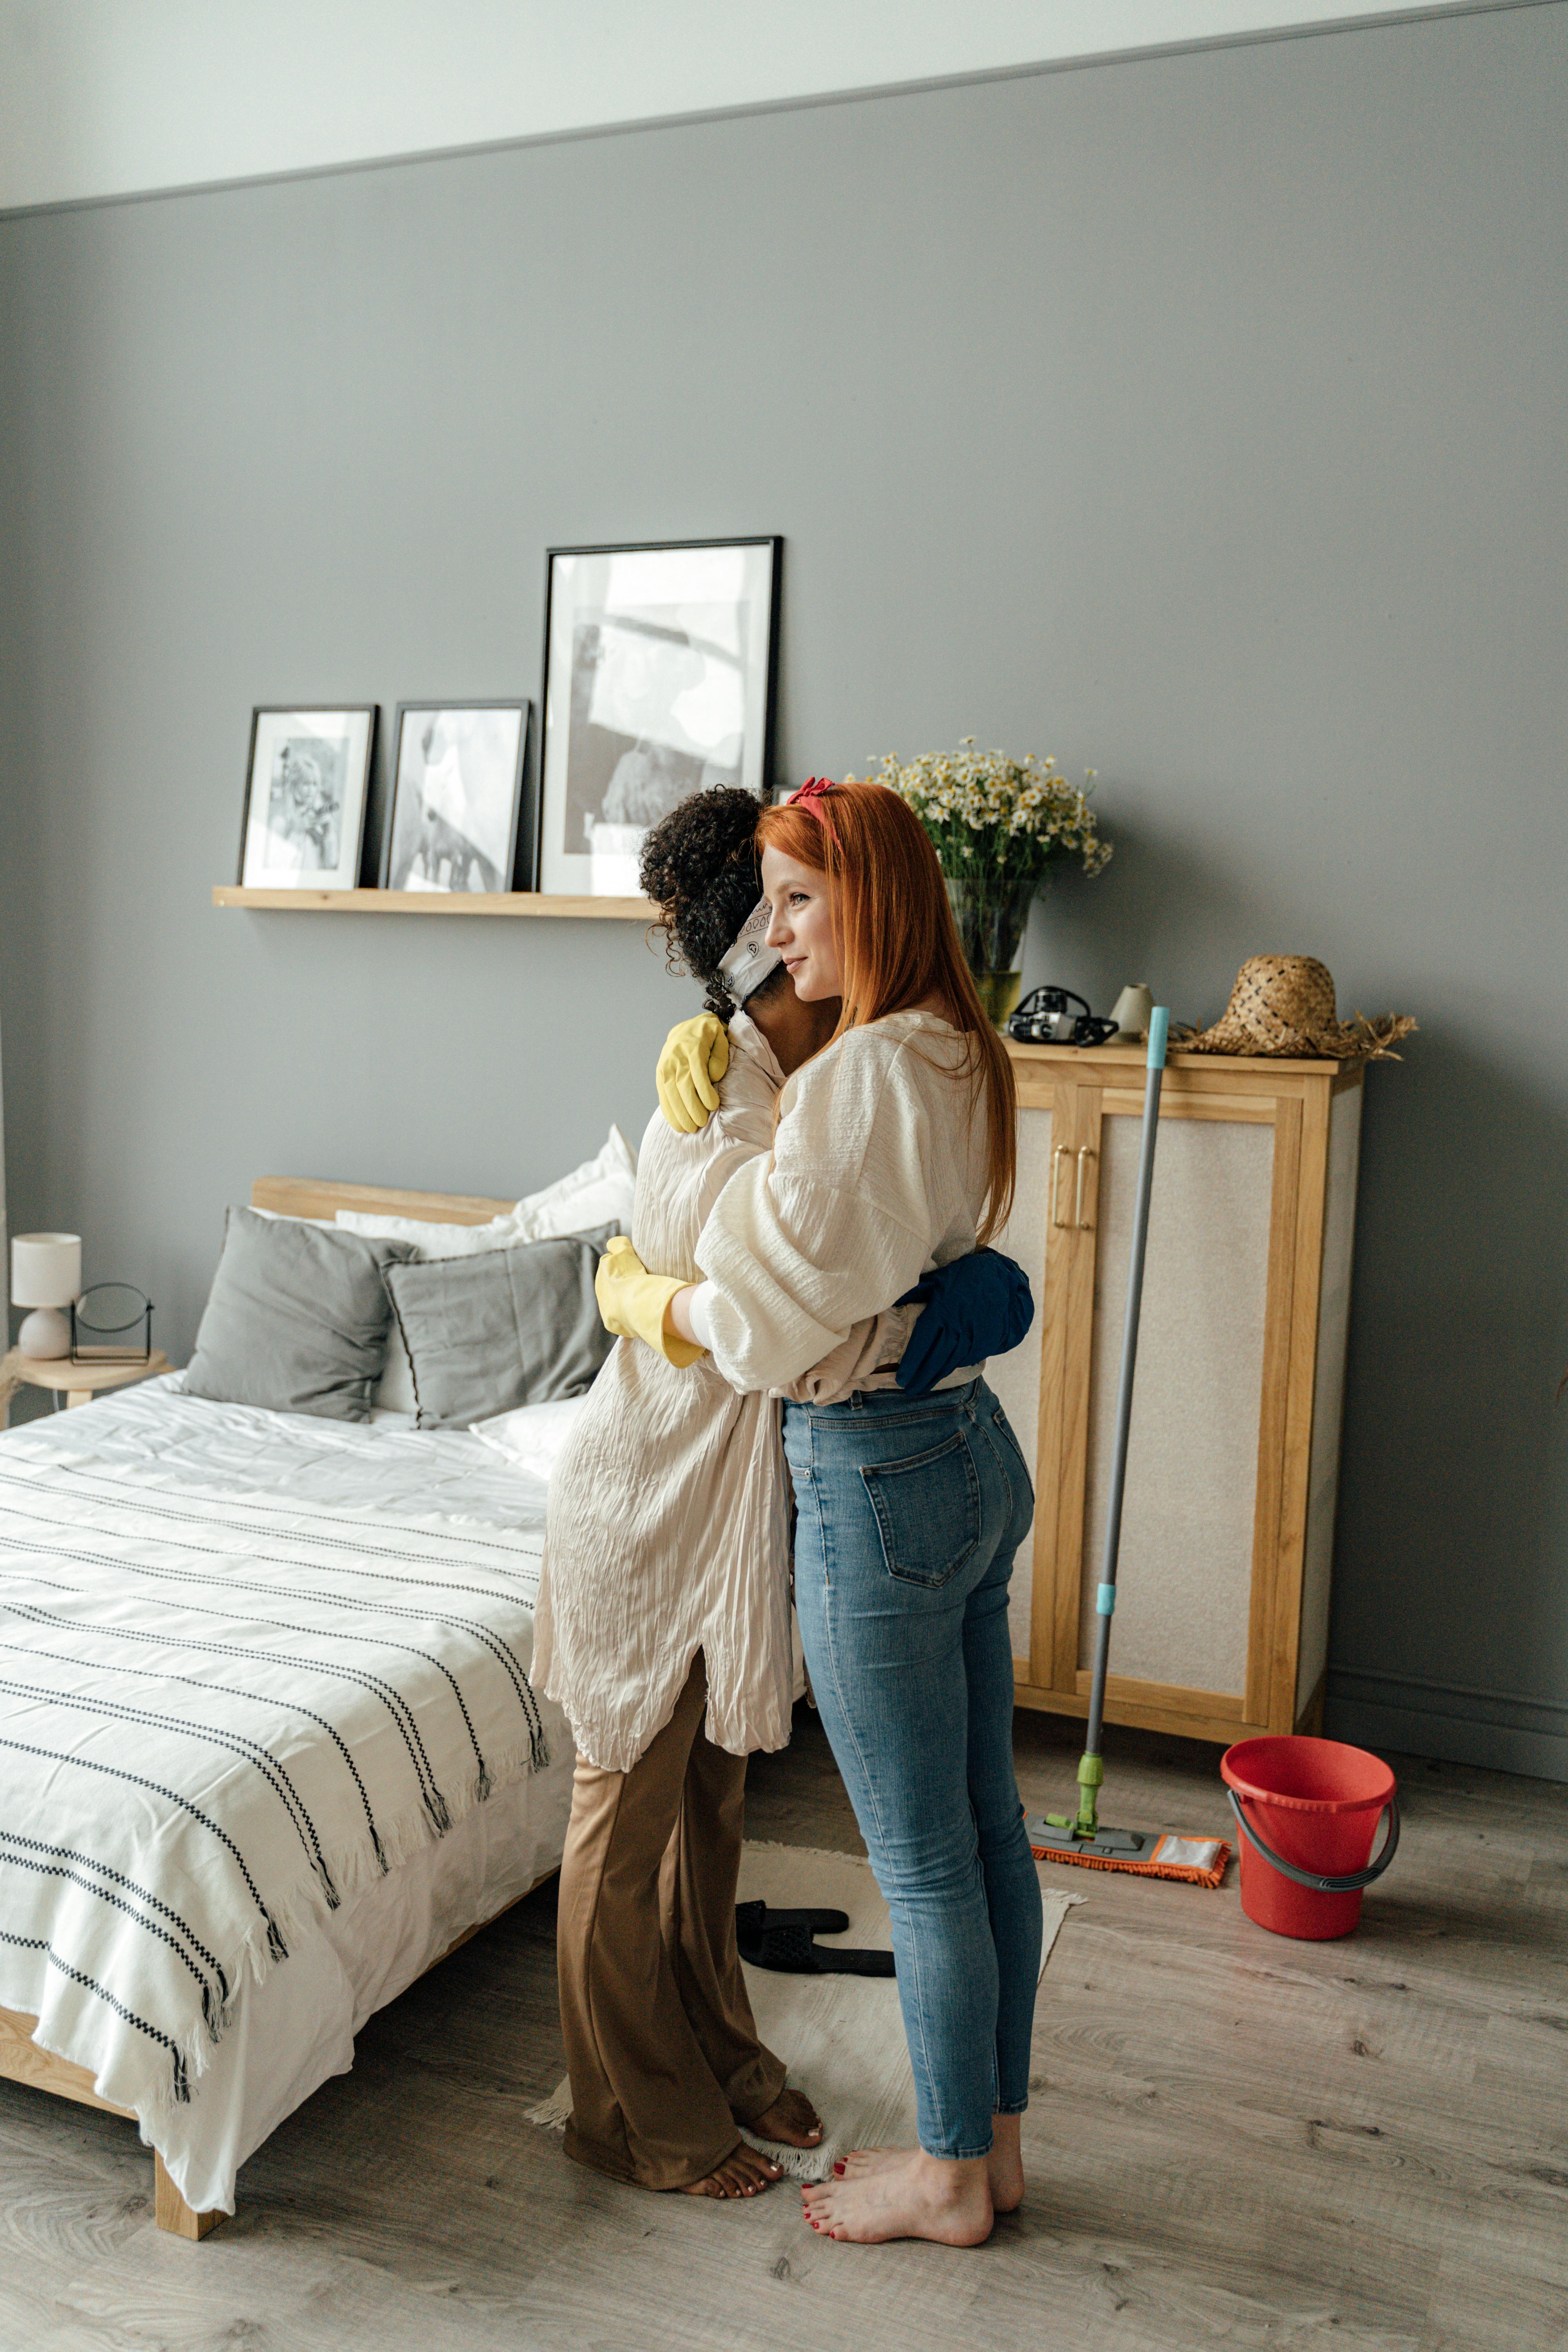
x: 219, y: 1716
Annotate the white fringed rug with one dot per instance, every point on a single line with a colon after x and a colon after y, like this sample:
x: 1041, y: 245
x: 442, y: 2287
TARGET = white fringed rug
x: 843, y: 2037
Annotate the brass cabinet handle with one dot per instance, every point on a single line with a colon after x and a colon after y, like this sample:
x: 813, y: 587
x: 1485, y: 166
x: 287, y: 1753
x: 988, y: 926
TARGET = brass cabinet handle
x: 1084, y: 1157
x: 1062, y: 1151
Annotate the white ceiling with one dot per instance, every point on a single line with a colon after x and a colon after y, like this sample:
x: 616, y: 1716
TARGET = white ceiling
x: 107, y: 97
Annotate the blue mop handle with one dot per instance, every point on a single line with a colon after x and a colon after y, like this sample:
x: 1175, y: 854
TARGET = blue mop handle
x: 1159, y: 1031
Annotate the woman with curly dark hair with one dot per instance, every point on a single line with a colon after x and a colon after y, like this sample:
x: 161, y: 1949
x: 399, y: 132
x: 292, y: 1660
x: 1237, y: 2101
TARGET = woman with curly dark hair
x: 663, y: 1623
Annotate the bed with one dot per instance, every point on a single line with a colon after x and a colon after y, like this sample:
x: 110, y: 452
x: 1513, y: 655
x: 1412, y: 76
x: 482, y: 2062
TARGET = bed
x: 222, y: 1853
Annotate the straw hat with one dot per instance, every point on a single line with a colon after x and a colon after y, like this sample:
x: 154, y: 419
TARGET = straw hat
x: 1284, y: 1004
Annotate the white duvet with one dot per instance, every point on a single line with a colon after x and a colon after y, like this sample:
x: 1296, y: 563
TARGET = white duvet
x: 266, y: 1744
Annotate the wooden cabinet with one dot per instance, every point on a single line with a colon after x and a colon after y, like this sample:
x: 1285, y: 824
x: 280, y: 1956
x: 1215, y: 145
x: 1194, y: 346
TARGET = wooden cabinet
x: 1227, y: 1530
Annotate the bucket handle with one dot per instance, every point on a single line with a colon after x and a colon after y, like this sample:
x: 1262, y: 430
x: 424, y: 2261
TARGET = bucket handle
x: 1349, y: 1885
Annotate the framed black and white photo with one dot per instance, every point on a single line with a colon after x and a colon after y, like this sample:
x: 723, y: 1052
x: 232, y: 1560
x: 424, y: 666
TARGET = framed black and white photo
x: 456, y: 791
x: 305, y: 798
x: 659, y: 681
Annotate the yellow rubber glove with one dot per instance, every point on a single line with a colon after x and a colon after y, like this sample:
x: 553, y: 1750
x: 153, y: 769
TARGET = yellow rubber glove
x: 632, y: 1303
x: 695, y: 1057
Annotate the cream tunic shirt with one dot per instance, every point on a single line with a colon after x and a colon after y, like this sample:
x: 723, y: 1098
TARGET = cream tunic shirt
x: 667, y: 1529
x: 879, y: 1172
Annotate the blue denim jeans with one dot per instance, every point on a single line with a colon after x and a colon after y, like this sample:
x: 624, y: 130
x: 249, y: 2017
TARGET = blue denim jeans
x: 909, y: 1513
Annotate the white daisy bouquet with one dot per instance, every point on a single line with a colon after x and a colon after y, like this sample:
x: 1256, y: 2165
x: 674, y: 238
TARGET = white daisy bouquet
x: 997, y: 821
x: 997, y: 824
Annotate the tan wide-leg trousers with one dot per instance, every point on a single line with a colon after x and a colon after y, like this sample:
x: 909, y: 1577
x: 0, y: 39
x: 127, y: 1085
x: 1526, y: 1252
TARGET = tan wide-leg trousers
x: 661, y: 2047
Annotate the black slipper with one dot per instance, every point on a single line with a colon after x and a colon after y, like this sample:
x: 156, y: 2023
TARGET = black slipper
x: 751, y: 1918
x: 791, y: 1952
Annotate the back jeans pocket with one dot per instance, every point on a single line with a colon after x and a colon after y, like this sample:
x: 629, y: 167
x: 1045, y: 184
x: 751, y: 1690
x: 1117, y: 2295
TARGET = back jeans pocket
x: 928, y: 1511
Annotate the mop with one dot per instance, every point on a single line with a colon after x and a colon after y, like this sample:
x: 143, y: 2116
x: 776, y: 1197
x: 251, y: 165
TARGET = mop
x: 1083, y: 1837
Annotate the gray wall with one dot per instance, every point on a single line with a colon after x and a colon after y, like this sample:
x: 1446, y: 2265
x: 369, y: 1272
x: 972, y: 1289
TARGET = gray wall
x: 1199, y: 419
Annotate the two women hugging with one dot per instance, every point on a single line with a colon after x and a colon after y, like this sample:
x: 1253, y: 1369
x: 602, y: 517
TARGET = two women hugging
x: 805, y: 1305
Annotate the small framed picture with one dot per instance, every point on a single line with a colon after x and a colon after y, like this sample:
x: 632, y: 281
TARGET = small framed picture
x: 305, y: 798
x: 457, y: 793
x: 660, y: 667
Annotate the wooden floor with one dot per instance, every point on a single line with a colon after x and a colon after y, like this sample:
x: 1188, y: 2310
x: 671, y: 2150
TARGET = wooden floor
x: 1234, y: 2140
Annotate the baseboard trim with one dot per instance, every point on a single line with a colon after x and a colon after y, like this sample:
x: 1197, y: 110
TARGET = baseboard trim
x: 1447, y: 1721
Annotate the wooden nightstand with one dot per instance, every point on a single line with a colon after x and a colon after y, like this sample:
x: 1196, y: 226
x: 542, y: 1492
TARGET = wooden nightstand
x: 80, y: 1381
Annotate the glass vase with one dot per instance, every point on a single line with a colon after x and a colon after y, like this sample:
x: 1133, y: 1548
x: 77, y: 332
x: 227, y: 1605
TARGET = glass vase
x: 992, y: 915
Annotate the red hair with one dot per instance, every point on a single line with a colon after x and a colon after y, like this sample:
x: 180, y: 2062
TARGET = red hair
x: 897, y: 941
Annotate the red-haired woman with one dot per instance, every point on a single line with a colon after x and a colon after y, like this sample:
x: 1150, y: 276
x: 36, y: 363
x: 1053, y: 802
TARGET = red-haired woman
x: 894, y: 1154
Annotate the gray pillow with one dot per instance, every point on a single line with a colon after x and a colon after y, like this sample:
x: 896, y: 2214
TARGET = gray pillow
x: 510, y: 1326
x: 296, y: 1320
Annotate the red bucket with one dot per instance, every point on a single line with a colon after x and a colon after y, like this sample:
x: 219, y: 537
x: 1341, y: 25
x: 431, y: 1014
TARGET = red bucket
x: 1308, y: 1810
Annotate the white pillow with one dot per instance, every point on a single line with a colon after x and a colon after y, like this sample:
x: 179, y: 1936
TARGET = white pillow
x: 394, y: 1392
x: 532, y: 1435
x: 599, y: 1193
x: 431, y: 1240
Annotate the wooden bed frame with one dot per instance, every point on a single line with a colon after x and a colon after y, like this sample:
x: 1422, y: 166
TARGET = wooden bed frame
x: 21, y: 2059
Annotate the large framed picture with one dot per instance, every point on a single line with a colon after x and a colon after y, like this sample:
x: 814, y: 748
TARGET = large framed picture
x: 305, y: 798
x: 659, y: 681
x: 457, y: 793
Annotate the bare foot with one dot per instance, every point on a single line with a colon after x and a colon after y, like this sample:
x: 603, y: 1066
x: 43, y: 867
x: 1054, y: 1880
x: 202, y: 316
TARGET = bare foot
x: 792, y: 2120
x: 744, y: 2172
x: 1003, y: 2166
x: 911, y: 2196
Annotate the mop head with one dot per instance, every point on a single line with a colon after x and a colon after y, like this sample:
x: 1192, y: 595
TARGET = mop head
x: 1200, y: 1861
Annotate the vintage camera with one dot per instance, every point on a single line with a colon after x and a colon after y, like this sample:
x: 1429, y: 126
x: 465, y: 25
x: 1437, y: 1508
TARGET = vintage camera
x: 1044, y: 1018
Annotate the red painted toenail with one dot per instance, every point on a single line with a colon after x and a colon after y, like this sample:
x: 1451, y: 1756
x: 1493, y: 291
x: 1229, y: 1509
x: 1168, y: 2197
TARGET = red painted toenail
x: 838, y: 2171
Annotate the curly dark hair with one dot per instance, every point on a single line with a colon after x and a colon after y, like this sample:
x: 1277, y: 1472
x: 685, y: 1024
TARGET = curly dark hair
x: 700, y: 862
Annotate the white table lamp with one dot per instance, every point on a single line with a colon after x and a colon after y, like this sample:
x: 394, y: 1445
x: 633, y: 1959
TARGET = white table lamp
x: 46, y: 1275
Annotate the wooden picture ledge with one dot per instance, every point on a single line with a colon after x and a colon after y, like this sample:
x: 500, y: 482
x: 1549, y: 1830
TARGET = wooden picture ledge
x: 437, y: 902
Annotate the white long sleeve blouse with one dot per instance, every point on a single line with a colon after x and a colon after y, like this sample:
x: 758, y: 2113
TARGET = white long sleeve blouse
x: 879, y: 1172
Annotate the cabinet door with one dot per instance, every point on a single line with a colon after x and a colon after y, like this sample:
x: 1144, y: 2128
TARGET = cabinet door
x: 1183, y: 1610
x: 1043, y: 1385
